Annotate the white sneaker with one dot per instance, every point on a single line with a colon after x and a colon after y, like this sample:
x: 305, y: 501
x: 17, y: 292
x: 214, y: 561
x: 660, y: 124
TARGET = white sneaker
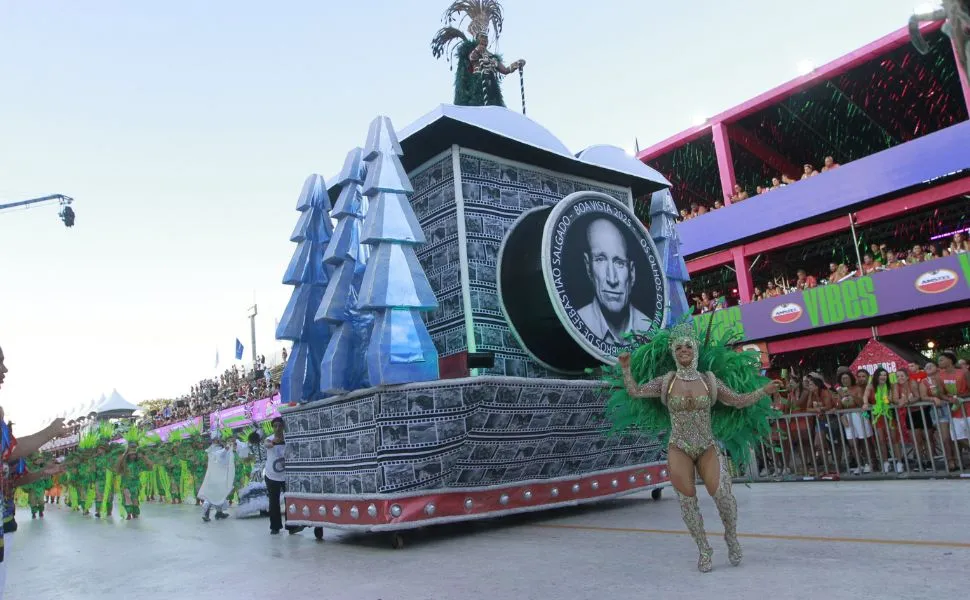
x: 886, y: 467
x: 867, y: 469
x: 900, y: 467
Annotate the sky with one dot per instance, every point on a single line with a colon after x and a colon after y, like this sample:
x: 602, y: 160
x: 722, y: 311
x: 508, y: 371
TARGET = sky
x: 184, y: 131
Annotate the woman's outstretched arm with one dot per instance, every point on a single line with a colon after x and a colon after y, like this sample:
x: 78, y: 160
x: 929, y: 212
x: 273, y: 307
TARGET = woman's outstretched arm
x: 651, y: 389
x: 726, y: 395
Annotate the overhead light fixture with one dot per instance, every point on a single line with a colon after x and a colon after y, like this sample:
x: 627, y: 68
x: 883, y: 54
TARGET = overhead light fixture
x: 931, y: 344
x: 805, y: 67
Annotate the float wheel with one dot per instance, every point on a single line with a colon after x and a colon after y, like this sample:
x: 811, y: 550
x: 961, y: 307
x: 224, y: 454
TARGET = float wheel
x: 656, y: 493
x: 318, y: 533
x: 397, y: 541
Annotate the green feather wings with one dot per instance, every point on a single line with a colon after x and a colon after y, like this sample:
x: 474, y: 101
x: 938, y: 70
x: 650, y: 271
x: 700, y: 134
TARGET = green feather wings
x: 738, y: 429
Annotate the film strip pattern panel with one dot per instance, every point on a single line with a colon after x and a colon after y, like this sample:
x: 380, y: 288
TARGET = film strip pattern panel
x: 434, y: 204
x: 486, y: 431
x: 333, y: 448
x: 495, y: 193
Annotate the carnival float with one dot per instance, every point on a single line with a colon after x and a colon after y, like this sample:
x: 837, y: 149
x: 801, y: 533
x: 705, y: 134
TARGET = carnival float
x: 455, y: 286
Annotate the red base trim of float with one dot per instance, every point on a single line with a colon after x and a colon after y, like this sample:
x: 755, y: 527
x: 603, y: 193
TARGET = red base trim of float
x: 388, y: 512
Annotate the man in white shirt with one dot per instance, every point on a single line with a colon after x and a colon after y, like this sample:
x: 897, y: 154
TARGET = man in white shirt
x: 275, y: 474
x: 610, y: 315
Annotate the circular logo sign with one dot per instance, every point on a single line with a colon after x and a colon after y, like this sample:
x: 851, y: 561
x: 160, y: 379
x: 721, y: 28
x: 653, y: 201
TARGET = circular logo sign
x: 936, y: 282
x: 603, y: 273
x: 789, y: 312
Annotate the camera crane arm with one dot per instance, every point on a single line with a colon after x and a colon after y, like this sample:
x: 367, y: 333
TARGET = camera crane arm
x: 66, y: 214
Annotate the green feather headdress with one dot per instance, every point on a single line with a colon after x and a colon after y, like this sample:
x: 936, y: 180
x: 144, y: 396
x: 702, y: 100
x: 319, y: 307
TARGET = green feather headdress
x: 89, y: 440
x: 134, y: 436
x: 267, y: 427
x: 189, y: 431
x: 106, y: 432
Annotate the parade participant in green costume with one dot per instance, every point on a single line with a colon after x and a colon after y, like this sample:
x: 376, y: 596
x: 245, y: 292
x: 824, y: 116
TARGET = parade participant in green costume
x: 695, y: 393
x: 106, y: 456
x: 35, y: 491
x: 197, y: 460
x: 130, y: 466
x: 480, y: 71
x: 175, y: 462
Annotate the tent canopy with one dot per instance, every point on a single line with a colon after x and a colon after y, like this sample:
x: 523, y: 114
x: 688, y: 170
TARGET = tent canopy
x: 115, y: 405
x: 878, y: 354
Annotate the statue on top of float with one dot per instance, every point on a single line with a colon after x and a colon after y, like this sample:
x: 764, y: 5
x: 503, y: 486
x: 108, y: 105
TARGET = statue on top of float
x: 956, y: 13
x: 480, y: 71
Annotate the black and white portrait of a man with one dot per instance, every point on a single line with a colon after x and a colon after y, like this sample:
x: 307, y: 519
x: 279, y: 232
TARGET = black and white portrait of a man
x: 612, y: 273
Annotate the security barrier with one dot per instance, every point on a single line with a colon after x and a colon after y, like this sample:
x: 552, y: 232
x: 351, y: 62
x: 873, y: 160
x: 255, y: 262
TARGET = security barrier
x: 922, y: 439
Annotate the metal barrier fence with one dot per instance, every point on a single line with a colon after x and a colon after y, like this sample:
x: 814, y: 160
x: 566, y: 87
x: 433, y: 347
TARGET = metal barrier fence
x: 917, y: 440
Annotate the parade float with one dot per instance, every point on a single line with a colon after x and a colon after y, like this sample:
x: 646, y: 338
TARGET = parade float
x: 455, y: 288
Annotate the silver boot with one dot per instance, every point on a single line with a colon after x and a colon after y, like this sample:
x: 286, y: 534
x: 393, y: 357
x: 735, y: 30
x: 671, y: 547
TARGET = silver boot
x: 727, y: 506
x: 691, y: 512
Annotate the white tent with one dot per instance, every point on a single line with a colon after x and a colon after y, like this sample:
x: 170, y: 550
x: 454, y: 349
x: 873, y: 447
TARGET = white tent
x: 115, y: 406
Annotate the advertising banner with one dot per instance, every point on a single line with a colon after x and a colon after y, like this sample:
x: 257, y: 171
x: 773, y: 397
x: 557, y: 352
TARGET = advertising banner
x: 246, y: 414
x: 166, y: 431
x: 919, y: 286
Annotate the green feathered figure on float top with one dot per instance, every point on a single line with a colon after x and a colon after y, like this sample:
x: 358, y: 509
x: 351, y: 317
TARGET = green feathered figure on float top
x: 480, y: 71
x: 695, y: 393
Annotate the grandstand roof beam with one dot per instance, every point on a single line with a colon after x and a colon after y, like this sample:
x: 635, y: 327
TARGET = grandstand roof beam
x: 871, y: 51
x: 941, y: 319
x: 725, y: 163
x: 769, y: 156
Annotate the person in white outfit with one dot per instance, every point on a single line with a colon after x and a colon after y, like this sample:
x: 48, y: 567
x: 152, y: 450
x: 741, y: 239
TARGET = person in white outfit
x: 218, y: 481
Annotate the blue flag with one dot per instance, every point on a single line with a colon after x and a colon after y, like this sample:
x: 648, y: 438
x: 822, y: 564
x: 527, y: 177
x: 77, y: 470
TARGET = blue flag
x: 239, y: 349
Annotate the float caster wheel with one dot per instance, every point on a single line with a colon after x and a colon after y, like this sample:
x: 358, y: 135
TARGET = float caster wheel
x: 397, y: 541
x: 656, y: 493
x: 318, y: 533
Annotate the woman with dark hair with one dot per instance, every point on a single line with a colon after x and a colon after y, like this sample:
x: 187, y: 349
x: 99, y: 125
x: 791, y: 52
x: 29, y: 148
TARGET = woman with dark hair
x: 941, y: 411
x: 908, y: 392
x: 956, y: 392
x: 880, y: 396
x: 821, y: 402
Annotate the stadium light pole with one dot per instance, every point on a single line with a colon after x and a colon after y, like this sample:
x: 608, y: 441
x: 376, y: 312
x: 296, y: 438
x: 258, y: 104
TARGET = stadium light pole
x: 252, y: 329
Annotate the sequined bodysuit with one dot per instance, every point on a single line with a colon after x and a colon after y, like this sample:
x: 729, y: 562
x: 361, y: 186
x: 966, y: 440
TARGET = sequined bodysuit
x: 690, y: 424
x: 690, y: 416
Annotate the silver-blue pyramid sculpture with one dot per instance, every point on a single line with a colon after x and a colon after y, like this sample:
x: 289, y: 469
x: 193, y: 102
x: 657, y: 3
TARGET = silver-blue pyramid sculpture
x: 663, y: 230
x: 394, y: 287
x: 308, y: 273
x: 344, y: 365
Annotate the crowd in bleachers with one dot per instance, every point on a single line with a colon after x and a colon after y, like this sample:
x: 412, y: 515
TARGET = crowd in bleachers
x: 740, y: 194
x: 237, y: 385
x: 879, y: 258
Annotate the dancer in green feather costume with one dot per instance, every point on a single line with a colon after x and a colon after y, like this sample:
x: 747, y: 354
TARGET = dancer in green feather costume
x: 695, y: 393
x: 480, y: 71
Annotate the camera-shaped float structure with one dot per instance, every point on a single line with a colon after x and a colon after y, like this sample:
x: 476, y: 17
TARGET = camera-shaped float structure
x: 477, y: 400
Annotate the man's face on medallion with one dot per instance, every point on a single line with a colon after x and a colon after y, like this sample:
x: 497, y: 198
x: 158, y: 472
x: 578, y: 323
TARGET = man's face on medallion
x: 608, y: 267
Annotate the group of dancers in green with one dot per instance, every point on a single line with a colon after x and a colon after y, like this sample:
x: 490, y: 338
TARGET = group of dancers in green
x: 134, y: 466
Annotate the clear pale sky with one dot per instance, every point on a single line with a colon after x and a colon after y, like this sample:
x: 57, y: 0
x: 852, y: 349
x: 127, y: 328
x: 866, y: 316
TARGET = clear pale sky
x: 184, y: 130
